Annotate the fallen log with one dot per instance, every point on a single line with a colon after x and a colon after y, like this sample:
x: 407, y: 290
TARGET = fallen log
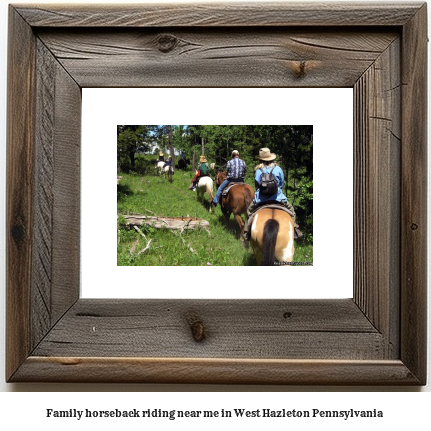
x: 168, y: 222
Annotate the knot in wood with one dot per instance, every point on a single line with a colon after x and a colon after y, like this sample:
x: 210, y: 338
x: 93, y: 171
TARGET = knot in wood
x: 197, y: 327
x: 18, y: 233
x: 300, y: 69
x: 167, y: 42
x: 414, y: 226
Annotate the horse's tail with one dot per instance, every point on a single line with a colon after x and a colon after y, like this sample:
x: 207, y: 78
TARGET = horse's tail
x: 248, y: 198
x: 210, y: 189
x: 270, y: 232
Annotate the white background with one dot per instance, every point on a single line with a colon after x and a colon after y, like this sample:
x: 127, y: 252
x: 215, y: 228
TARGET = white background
x: 330, y: 111
x: 403, y: 407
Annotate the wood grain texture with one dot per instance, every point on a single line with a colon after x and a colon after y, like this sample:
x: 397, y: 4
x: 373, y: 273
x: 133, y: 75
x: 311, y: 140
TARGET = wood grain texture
x: 19, y: 198
x: 55, y: 280
x: 377, y: 101
x: 414, y: 194
x: 378, y: 337
x: 215, y: 371
x: 66, y: 191
x: 220, y: 15
x: 234, y: 329
x: 44, y: 195
x: 228, y: 58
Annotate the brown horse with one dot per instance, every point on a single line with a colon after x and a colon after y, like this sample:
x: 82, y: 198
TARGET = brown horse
x: 272, y: 237
x: 236, y: 201
x: 182, y: 164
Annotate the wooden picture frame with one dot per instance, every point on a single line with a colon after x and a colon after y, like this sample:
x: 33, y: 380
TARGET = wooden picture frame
x: 376, y: 338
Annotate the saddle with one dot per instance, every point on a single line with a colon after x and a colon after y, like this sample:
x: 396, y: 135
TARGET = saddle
x: 275, y: 205
x: 229, y: 186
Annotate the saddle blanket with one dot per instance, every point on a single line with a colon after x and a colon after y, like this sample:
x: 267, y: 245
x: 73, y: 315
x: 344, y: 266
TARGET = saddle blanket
x: 229, y: 186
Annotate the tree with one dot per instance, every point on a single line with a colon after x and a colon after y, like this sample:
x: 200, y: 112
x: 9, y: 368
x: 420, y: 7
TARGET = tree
x: 171, y: 144
x: 130, y: 141
x: 163, y: 135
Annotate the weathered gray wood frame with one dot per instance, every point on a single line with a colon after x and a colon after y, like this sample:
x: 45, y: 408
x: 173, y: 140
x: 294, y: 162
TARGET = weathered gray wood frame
x: 378, y: 337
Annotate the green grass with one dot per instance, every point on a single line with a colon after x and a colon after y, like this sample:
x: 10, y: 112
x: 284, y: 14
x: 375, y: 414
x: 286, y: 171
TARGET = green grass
x: 154, y: 196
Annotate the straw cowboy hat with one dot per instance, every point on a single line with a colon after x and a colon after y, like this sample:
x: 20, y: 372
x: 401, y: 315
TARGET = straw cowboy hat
x: 202, y: 159
x: 235, y: 153
x: 266, y: 155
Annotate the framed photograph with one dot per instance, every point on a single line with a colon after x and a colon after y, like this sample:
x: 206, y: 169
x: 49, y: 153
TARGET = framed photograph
x: 377, y: 337
x: 142, y: 191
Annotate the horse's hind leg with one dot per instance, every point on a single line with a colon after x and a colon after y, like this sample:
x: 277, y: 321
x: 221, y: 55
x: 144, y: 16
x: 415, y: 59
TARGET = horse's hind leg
x: 238, y: 219
x: 210, y: 199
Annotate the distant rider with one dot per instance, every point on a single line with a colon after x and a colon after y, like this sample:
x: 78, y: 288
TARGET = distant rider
x: 168, y: 162
x: 202, y: 171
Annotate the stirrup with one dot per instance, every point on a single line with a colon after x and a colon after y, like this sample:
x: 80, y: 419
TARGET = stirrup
x: 297, y: 234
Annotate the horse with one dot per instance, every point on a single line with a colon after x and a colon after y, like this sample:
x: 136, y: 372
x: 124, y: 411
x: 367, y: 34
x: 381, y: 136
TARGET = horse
x: 236, y: 201
x: 159, y: 166
x: 168, y: 171
x: 205, y: 185
x: 272, y: 237
x: 182, y: 164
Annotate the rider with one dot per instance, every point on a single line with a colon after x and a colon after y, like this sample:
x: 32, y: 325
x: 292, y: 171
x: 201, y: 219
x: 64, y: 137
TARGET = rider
x: 267, y: 164
x: 235, y: 173
x: 160, y: 159
x: 203, y: 171
x: 168, y: 161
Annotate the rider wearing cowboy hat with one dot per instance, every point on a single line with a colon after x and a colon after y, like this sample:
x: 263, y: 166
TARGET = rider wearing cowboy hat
x: 202, y: 171
x: 268, y: 165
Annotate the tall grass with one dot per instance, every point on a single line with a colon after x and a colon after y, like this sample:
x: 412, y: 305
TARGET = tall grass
x: 153, y: 195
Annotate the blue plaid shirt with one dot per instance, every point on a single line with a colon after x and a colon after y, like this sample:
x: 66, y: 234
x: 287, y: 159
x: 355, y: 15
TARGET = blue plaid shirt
x: 236, y: 169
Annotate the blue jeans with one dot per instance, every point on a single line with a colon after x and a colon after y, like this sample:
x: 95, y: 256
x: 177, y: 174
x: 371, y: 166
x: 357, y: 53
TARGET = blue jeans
x: 223, y: 186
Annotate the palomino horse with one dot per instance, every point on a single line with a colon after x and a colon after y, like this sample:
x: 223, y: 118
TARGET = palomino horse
x: 168, y: 171
x: 236, y: 201
x: 272, y: 237
x: 205, y: 185
x: 159, y: 167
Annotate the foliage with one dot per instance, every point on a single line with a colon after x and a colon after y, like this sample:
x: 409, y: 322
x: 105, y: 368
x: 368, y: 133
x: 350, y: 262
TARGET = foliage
x: 131, y: 140
x: 292, y: 144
